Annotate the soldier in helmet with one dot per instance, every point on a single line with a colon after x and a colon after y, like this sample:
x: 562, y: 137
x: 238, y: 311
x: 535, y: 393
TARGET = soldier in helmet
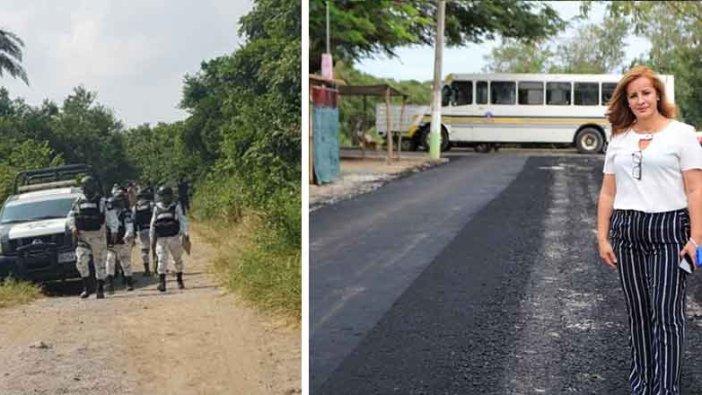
x: 121, y: 236
x: 168, y: 228
x: 115, y: 187
x: 86, y: 220
x: 142, y: 212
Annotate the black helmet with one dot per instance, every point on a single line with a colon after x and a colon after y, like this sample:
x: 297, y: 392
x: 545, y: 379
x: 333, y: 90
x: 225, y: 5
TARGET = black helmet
x: 165, y: 195
x: 89, y: 186
x: 119, y: 199
x: 145, y: 193
x: 164, y: 191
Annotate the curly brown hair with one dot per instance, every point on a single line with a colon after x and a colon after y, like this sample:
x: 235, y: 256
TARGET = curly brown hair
x: 618, y: 112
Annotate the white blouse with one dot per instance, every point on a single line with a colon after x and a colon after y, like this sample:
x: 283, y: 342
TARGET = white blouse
x: 659, y: 166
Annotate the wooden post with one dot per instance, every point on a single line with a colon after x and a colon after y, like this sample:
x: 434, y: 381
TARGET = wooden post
x: 402, y: 116
x: 387, y: 117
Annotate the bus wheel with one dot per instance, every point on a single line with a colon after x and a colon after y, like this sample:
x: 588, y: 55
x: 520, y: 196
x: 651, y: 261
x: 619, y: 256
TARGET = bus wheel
x: 483, y: 148
x: 408, y: 145
x: 445, y: 143
x: 589, y: 141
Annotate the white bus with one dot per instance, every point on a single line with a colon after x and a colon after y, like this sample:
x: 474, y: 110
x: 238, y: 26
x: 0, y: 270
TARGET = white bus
x: 486, y: 110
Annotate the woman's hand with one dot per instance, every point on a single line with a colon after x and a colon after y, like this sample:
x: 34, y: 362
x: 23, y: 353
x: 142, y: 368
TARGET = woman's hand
x: 607, y: 254
x: 690, y: 250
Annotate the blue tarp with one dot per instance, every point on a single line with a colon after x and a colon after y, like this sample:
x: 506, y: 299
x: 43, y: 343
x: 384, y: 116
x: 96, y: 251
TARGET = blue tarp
x: 325, y: 121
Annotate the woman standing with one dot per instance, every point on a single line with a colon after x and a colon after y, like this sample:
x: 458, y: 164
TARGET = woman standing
x: 649, y: 215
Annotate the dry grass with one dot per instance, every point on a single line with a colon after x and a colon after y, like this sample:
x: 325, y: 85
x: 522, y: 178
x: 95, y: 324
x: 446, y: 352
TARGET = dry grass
x: 14, y: 292
x: 268, y: 278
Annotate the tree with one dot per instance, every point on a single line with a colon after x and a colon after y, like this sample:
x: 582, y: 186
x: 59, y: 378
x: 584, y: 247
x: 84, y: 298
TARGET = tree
x: 87, y: 132
x: 594, y: 49
x: 16, y: 156
x: 245, y: 122
x: 360, y: 29
x: 673, y: 28
x: 513, y: 56
x: 11, y: 55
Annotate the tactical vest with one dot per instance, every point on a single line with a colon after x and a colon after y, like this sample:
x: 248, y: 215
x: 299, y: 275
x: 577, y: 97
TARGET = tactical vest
x: 166, y: 224
x: 123, y: 218
x: 144, y: 211
x: 88, y: 216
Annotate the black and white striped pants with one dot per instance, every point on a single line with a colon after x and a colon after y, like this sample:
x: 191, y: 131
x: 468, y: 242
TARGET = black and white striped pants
x: 647, y: 246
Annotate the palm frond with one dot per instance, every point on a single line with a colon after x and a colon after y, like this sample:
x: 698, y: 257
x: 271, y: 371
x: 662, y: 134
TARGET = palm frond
x: 12, y: 67
x: 11, y: 55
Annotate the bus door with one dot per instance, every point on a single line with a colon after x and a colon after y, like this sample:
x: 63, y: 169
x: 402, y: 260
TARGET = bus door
x: 460, y: 104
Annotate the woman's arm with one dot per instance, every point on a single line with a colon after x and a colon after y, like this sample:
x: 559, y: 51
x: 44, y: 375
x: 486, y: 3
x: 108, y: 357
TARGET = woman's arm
x: 605, y: 206
x: 693, y: 190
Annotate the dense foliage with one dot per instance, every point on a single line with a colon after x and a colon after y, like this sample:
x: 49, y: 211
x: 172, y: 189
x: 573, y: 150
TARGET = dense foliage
x: 588, y: 49
x: 363, y: 28
x: 77, y: 131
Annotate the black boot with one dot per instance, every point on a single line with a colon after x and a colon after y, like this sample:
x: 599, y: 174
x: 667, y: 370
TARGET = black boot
x: 86, y: 287
x: 147, y: 272
x: 130, y: 284
x: 99, y: 294
x: 162, y: 282
x: 110, y: 282
x: 179, y: 278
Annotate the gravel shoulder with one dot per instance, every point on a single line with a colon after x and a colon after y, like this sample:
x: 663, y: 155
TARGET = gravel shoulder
x: 201, y: 340
x: 365, y: 172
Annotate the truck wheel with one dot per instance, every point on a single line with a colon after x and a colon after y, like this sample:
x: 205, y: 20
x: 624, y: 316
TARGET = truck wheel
x: 589, y: 141
x: 483, y: 148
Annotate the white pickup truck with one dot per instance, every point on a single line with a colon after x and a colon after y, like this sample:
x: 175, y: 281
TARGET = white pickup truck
x: 35, y: 243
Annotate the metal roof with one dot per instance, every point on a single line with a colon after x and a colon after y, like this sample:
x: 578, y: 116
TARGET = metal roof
x: 369, y: 90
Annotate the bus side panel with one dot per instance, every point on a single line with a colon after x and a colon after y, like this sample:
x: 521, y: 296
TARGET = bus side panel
x: 459, y: 128
x: 520, y: 133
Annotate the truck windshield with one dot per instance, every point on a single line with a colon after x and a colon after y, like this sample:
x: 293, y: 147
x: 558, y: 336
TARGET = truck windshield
x: 36, y: 210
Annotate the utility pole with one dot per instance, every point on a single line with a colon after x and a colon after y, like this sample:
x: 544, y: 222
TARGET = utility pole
x: 435, y: 134
x: 328, y: 26
x: 327, y: 63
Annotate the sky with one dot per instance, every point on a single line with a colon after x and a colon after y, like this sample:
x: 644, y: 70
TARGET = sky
x: 133, y: 53
x: 417, y: 62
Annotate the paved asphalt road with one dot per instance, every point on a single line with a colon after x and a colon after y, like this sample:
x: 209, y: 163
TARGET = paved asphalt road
x: 477, y: 277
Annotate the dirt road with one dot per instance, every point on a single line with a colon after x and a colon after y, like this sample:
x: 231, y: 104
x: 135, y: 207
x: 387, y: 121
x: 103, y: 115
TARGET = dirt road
x: 200, y: 340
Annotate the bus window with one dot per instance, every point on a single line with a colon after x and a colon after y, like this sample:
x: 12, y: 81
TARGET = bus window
x: 481, y: 92
x: 607, y: 91
x: 586, y: 93
x: 446, y: 95
x: 558, y: 93
x: 463, y: 93
x: 530, y: 92
x: 502, y: 92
